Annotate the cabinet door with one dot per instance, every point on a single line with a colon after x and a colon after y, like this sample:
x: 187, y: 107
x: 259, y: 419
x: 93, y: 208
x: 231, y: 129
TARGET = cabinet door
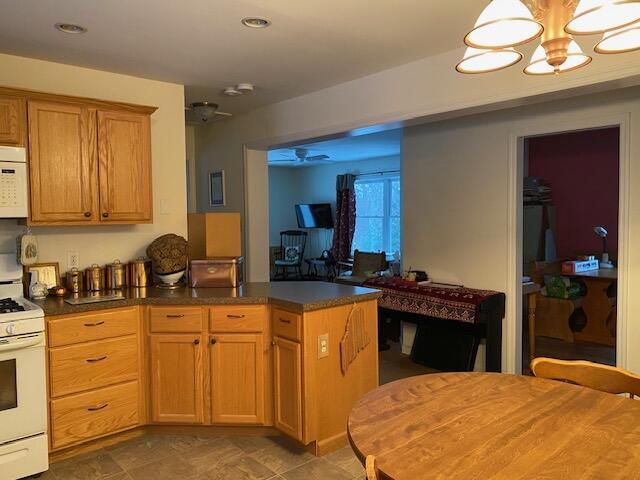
x: 124, y: 165
x: 12, y: 121
x: 62, y: 163
x: 237, y: 378
x: 177, y: 378
x: 287, y: 364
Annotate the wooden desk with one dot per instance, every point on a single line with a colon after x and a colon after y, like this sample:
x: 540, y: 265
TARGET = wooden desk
x: 597, y: 306
x: 496, y: 426
x: 530, y: 290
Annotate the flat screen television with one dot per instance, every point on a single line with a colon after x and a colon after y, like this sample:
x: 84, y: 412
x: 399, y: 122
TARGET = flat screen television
x: 314, y: 215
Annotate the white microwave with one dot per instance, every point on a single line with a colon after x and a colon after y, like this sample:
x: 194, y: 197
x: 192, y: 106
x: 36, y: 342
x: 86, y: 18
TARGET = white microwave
x: 13, y: 182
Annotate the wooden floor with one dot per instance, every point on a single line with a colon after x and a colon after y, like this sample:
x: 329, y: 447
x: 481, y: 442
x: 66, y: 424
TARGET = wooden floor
x: 394, y: 365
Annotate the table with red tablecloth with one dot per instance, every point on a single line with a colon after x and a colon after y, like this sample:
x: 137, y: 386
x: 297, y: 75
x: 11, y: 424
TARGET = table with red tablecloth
x: 482, y: 308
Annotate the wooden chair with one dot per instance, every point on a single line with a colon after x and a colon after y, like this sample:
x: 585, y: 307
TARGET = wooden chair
x: 587, y: 374
x: 292, y: 243
x: 371, y: 468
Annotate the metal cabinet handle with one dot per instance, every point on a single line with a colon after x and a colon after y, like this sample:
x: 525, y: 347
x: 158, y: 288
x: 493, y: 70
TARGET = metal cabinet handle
x: 94, y: 360
x: 87, y: 214
x: 105, y: 214
x: 213, y: 341
x: 235, y: 316
x: 196, y: 342
x: 93, y: 324
x: 93, y: 409
x: 175, y: 315
x: 283, y: 320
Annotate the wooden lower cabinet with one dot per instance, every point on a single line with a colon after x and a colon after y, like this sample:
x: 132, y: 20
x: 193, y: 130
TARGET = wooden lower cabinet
x: 287, y: 367
x: 236, y: 370
x: 177, y: 378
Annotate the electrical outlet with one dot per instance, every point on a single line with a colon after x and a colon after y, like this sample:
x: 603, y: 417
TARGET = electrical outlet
x: 323, y: 345
x: 73, y: 260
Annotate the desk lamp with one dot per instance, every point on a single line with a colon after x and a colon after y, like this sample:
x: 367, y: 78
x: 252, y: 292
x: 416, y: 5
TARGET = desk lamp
x: 602, y: 233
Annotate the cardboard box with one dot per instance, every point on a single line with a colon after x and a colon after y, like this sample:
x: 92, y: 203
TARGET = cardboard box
x: 214, y: 235
x: 579, y: 266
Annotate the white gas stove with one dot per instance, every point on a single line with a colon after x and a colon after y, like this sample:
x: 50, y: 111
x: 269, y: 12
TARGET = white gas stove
x: 23, y: 401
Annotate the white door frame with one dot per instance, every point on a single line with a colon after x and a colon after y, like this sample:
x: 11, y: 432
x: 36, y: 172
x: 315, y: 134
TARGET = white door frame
x: 512, y: 344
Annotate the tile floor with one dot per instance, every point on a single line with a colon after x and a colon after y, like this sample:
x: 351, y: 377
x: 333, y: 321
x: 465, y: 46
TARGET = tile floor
x: 185, y: 457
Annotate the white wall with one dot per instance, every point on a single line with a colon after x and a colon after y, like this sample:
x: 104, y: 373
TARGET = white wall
x: 456, y: 194
x: 101, y: 244
x: 317, y: 184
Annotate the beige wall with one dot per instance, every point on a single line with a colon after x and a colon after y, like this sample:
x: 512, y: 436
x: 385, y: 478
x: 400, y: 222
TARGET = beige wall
x: 101, y: 244
x: 456, y: 195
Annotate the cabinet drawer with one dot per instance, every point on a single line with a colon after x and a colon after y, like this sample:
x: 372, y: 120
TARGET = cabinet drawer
x: 93, y: 365
x: 175, y: 319
x: 92, y: 326
x: 237, y: 318
x: 287, y: 324
x: 88, y: 415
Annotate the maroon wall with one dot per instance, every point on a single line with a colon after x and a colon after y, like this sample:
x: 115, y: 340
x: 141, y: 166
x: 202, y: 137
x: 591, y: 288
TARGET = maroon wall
x: 582, y: 168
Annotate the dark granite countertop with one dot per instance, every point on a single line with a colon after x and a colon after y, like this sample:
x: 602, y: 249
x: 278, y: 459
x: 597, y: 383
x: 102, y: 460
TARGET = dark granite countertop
x: 297, y: 296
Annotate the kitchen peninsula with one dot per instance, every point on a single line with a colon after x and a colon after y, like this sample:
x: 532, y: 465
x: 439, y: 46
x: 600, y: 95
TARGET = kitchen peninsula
x: 290, y: 356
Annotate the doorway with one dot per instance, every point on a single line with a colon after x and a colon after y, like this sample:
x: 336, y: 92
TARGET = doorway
x: 570, y: 226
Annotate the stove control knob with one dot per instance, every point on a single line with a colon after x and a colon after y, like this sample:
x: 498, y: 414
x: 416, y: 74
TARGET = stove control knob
x: 11, y: 329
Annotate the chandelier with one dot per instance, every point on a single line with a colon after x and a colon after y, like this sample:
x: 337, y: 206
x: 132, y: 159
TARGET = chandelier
x: 506, y: 24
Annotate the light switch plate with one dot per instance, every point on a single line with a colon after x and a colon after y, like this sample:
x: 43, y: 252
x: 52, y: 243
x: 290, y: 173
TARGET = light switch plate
x: 323, y: 345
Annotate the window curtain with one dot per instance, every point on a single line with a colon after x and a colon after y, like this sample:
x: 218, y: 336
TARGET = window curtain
x: 345, y: 224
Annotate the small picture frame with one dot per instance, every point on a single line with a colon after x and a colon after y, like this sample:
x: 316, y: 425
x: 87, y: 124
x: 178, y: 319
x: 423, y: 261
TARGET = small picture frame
x: 48, y: 273
x: 216, y: 189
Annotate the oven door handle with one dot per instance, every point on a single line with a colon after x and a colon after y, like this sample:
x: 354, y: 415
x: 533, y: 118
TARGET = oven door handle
x: 24, y: 343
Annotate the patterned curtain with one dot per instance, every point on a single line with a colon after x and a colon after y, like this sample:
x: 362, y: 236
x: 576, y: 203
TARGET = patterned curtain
x: 345, y: 224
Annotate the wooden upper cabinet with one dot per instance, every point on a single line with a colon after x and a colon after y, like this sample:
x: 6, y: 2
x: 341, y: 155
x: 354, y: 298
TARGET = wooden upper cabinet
x: 124, y: 164
x: 62, y: 170
x: 12, y: 121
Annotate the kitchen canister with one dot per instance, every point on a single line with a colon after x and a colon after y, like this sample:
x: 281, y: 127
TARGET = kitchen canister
x: 116, y: 275
x: 75, y: 281
x: 139, y: 273
x: 94, y: 278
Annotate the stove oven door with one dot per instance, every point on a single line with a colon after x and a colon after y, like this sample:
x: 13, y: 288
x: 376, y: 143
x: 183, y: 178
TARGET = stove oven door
x: 23, y: 409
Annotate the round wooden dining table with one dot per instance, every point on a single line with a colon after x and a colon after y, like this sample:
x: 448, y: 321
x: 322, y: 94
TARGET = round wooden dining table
x: 496, y: 426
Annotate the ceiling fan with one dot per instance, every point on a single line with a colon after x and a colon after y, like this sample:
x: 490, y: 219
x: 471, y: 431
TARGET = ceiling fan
x: 302, y: 156
x: 206, y: 111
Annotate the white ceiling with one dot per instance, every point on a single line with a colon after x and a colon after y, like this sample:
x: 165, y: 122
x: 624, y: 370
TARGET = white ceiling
x: 345, y: 149
x: 312, y: 44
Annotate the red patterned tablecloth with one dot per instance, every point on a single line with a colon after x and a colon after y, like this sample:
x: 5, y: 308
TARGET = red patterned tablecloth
x: 460, y: 304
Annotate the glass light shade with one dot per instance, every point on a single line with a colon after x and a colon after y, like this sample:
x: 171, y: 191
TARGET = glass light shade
x: 625, y: 39
x: 598, y: 16
x: 483, y: 61
x: 504, y: 23
x: 575, y: 59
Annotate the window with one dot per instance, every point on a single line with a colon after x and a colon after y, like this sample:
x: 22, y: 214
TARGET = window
x: 377, y: 215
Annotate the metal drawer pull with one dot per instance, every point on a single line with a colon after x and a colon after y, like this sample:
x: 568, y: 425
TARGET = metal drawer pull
x: 93, y: 409
x: 180, y: 315
x: 94, y: 360
x: 196, y: 342
x: 235, y: 316
x: 93, y: 324
x: 213, y: 341
x: 285, y: 321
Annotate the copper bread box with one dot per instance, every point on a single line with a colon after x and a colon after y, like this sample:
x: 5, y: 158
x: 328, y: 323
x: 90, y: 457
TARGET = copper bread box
x: 217, y: 272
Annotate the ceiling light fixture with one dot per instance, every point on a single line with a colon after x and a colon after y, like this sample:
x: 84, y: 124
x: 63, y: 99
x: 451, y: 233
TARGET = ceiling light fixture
x: 231, y: 92
x: 256, y: 22
x: 625, y: 39
x: 70, y: 28
x: 245, y: 87
x: 508, y: 23
x: 483, y: 61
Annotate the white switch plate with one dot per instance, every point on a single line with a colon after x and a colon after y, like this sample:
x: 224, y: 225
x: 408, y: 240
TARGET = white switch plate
x: 73, y: 260
x: 323, y: 345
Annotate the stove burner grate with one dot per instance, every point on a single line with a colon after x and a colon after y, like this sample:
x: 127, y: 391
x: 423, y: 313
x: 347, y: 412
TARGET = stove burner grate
x: 7, y: 305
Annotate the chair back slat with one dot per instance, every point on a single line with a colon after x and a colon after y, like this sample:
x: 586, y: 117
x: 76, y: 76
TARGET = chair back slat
x: 587, y: 374
x: 371, y: 468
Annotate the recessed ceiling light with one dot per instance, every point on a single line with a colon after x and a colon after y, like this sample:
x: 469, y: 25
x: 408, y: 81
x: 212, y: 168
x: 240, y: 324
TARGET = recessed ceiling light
x: 245, y: 87
x: 255, y: 22
x: 70, y: 28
